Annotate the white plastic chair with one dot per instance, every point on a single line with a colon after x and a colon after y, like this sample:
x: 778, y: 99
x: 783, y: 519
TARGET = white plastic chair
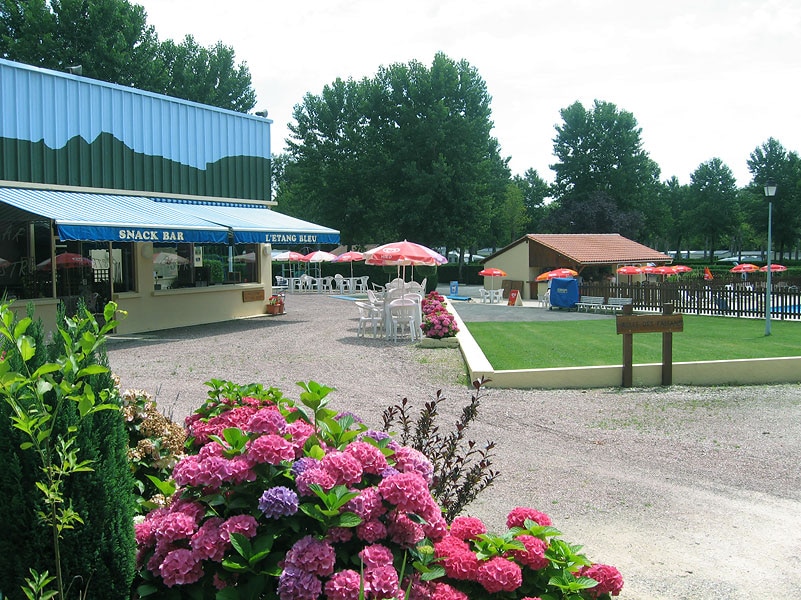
x: 361, y: 283
x: 326, y: 284
x: 307, y: 282
x: 403, y: 316
x: 341, y: 283
x: 485, y: 295
x: 369, y: 316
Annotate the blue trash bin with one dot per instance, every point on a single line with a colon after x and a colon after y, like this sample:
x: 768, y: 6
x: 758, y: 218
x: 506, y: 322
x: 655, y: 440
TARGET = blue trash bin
x: 454, y: 288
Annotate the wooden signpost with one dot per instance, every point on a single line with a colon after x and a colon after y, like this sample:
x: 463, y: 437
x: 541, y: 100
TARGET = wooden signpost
x: 667, y: 323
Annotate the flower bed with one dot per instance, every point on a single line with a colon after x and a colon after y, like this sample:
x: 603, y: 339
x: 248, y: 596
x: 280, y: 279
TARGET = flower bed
x: 288, y: 500
x: 437, y: 322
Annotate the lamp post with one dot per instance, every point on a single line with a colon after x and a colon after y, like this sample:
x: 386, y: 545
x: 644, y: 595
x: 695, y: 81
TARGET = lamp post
x: 770, y: 192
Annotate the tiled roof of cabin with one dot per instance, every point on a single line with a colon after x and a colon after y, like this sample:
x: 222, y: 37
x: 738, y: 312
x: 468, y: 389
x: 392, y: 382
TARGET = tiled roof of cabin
x: 598, y: 248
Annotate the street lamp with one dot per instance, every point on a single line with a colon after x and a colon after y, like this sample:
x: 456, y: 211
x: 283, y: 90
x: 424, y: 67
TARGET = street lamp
x: 770, y: 191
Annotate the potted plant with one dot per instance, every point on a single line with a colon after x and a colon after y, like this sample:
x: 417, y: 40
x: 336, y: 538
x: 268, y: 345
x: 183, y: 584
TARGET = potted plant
x: 275, y: 305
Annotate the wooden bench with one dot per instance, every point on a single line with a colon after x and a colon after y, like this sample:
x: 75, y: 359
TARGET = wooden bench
x: 616, y: 304
x: 590, y: 303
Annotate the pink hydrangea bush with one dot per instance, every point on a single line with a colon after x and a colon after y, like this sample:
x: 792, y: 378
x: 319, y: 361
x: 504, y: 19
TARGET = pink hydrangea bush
x: 286, y: 501
x: 437, y: 321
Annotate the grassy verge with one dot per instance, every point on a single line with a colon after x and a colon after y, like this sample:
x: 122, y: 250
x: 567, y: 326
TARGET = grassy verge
x: 534, y: 345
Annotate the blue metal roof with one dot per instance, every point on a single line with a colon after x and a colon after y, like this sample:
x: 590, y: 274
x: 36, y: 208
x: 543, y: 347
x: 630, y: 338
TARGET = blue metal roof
x: 253, y: 224
x: 114, y: 218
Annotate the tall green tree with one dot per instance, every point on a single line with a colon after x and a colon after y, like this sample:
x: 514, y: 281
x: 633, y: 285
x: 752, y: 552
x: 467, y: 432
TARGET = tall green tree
x: 207, y: 75
x: 600, y: 157
x: 112, y: 41
x: 714, y: 211
x: 535, y: 191
x: 407, y: 154
x: 771, y: 161
x: 677, y: 228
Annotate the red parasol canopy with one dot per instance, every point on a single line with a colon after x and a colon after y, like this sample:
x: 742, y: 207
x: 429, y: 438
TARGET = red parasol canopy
x: 562, y: 273
x: 289, y: 255
x: 682, y: 269
x: 774, y: 268
x: 66, y: 260
x: 629, y: 270
x: 350, y: 257
x: 744, y: 268
x: 319, y: 256
x: 404, y: 253
x: 492, y: 272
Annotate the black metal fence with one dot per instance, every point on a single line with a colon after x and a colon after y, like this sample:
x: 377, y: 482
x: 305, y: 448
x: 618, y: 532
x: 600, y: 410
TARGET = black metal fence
x: 738, y: 298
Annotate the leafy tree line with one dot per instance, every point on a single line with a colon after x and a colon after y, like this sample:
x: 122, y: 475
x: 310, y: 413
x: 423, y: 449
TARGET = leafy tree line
x: 112, y: 41
x: 376, y: 168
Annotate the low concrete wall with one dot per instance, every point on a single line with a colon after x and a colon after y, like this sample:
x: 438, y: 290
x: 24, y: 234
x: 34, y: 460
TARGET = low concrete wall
x: 718, y: 372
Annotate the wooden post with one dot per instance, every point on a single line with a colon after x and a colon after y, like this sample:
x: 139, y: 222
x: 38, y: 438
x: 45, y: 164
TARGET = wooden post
x: 628, y: 351
x: 667, y: 349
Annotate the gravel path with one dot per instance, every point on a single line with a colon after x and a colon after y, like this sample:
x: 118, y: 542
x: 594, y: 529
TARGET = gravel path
x: 691, y: 492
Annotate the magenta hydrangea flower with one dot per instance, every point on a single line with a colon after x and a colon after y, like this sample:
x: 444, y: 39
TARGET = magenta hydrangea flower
x: 534, y: 554
x: 343, y: 585
x: 312, y: 555
x: 267, y: 420
x: 456, y: 558
x: 339, y: 535
x: 499, y: 575
x: 467, y: 528
x: 343, y: 467
x: 371, y: 531
x: 382, y: 582
x: 517, y: 517
x: 314, y: 475
x: 408, y: 491
x: 207, y: 543
x: 376, y: 555
x: 175, y: 526
x: 270, y: 449
x: 180, y: 567
x: 409, y: 460
x: 299, y: 431
x: 402, y: 530
x: 371, y: 458
x: 278, y: 502
x: 609, y: 579
x: 443, y: 591
x: 243, y: 524
x: 367, y: 505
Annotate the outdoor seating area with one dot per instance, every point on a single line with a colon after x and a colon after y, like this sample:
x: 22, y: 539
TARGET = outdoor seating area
x: 394, y: 313
x: 491, y: 296
x: 330, y: 284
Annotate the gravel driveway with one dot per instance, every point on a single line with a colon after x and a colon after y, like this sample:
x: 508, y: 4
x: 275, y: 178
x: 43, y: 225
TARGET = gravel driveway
x: 691, y: 492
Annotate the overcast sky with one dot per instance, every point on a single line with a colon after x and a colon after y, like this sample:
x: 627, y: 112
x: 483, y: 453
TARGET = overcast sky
x: 703, y: 78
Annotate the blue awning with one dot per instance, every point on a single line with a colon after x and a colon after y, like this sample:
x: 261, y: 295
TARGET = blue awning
x: 114, y: 218
x: 254, y: 224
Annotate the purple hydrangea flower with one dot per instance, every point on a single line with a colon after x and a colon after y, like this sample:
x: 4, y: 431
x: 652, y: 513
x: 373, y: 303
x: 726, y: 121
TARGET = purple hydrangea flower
x: 304, y: 463
x: 278, y: 502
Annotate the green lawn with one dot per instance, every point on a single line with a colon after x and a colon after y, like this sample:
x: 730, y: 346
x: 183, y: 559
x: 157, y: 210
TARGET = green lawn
x: 533, y: 345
